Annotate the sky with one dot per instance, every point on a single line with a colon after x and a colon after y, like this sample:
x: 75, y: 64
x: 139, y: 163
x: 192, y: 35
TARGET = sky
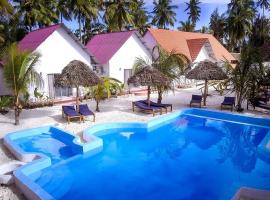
x: 207, y: 8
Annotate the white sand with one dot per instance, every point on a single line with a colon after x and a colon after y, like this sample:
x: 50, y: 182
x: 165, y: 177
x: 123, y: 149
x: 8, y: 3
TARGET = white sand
x: 113, y: 110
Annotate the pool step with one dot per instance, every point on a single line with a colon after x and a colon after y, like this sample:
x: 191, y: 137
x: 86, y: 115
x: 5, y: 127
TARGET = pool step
x: 57, y: 183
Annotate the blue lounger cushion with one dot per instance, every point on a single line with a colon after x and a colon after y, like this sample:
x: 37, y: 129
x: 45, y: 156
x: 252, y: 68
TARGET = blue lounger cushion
x: 84, y: 110
x: 70, y: 111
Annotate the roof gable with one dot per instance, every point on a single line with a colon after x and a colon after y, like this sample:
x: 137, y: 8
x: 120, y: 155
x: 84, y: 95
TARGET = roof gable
x: 178, y: 41
x: 104, y: 46
x: 195, y: 46
x: 33, y: 39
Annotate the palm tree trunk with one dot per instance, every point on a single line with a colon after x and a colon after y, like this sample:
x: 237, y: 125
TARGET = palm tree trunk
x: 148, y: 94
x: 80, y: 28
x: 17, y: 111
x: 205, y: 93
x: 160, y: 91
x: 97, y: 105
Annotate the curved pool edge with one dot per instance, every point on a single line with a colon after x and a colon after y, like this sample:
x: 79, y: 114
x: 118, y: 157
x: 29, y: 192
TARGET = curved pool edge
x: 94, y: 144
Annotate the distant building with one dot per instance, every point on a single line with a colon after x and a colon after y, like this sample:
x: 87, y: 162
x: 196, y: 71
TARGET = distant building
x: 195, y: 46
x: 116, y: 53
x: 57, y: 46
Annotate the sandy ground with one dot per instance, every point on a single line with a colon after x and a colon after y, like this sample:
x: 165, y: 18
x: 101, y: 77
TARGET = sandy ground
x: 112, y: 110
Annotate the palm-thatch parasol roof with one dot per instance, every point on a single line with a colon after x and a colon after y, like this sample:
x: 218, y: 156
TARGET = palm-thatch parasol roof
x: 207, y: 70
x: 76, y: 74
x: 148, y: 76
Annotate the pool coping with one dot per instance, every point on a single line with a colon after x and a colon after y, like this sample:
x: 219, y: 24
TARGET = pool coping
x: 38, y: 161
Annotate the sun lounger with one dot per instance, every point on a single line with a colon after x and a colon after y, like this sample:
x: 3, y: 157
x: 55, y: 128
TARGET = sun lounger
x: 197, y: 100
x: 162, y: 105
x: 69, y: 112
x: 85, y: 111
x: 260, y: 104
x: 141, y: 105
x: 228, y: 102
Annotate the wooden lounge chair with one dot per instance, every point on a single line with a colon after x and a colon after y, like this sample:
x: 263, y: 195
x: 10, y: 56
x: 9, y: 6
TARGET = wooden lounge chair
x: 162, y: 105
x: 85, y: 111
x: 69, y: 112
x: 197, y: 100
x: 228, y: 102
x: 141, y: 105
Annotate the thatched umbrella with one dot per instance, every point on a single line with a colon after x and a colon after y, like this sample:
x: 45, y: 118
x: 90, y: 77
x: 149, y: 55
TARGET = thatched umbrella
x: 148, y: 76
x: 77, y: 74
x: 206, y: 70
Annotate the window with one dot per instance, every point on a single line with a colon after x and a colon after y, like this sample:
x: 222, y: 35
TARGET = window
x: 57, y: 92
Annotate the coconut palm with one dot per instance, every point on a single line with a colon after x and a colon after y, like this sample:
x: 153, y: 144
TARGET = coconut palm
x: 264, y: 4
x: 104, y: 90
x: 218, y: 25
x: 19, y: 72
x: 83, y: 9
x: 239, y: 22
x: 260, y: 31
x: 194, y: 11
x: 140, y: 17
x: 163, y: 13
x: 36, y: 12
x: 186, y: 26
x: 118, y: 15
x: 170, y: 64
x: 63, y: 10
x: 5, y: 7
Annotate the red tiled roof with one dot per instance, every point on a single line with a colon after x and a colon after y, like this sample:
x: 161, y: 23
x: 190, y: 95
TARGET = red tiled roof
x: 178, y: 41
x: 33, y: 39
x: 195, y: 46
x: 104, y: 46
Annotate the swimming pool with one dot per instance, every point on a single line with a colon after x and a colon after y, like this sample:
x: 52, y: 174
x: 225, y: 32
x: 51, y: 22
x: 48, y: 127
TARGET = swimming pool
x: 194, y: 154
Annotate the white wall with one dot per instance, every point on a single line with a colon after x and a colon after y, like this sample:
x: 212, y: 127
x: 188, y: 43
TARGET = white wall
x: 125, y: 57
x: 56, y: 52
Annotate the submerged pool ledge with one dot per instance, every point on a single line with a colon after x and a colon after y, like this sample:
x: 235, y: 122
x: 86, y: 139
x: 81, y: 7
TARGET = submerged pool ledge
x: 94, y: 143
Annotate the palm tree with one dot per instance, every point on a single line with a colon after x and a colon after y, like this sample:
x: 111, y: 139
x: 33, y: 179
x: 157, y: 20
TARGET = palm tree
x: 118, y: 15
x: 63, y: 10
x: 194, y: 11
x: 5, y: 7
x: 260, y: 31
x: 264, y: 4
x: 36, y: 12
x: 171, y: 64
x: 19, y: 72
x: 239, y: 22
x: 163, y: 13
x: 140, y: 17
x: 218, y: 25
x: 83, y: 9
x: 186, y: 26
x: 104, y: 90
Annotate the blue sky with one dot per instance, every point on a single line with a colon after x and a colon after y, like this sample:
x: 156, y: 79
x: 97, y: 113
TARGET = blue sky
x: 207, y: 7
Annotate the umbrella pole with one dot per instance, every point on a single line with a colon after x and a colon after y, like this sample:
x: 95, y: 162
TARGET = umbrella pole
x: 205, y: 93
x: 148, y: 94
x: 77, y: 97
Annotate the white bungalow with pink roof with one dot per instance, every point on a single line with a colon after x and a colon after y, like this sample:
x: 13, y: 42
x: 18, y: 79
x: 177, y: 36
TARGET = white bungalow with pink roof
x: 116, y: 53
x: 57, y: 46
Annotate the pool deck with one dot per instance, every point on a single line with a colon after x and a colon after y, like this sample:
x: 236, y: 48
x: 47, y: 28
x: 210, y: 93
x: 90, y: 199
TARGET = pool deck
x: 113, y: 110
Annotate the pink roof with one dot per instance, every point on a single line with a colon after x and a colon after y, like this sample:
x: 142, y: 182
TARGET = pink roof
x: 104, y: 46
x: 33, y: 39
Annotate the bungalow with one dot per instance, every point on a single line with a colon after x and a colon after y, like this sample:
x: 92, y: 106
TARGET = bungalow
x: 116, y: 53
x: 195, y: 46
x: 57, y: 46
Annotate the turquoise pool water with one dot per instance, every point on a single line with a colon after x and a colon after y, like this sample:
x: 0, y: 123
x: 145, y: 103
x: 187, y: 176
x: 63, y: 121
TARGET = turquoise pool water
x: 189, y: 158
